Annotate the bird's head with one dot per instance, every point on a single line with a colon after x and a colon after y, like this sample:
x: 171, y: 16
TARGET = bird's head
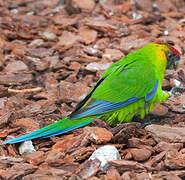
x: 172, y: 54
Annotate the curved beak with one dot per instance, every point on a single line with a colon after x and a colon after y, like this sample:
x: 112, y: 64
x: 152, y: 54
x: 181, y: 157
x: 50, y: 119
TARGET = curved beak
x: 174, y: 61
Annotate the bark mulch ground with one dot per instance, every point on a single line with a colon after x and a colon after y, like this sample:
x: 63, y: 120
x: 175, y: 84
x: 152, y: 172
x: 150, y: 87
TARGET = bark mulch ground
x: 51, y: 54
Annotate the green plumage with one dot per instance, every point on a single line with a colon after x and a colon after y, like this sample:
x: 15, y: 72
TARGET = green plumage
x: 130, y: 86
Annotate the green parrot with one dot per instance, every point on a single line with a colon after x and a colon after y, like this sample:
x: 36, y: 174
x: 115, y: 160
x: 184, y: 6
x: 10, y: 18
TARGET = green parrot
x: 133, y: 85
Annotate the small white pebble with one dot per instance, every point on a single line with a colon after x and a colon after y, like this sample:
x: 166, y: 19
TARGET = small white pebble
x: 166, y: 32
x: 96, y: 46
x: 97, y: 66
x: 83, y: 96
x: 26, y: 148
x: 107, y: 56
x: 105, y: 154
x: 30, y: 13
x: 14, y: 11
x: 176, y: 82
x: 136, y: 16
x: 111, y: 13
x: 154, y: 5
x: 93, y: 51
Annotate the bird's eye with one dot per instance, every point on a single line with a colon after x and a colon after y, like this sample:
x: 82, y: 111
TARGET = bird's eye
x: 169, y: 54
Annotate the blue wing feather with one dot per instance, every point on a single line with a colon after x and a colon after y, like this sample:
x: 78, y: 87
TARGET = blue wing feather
x: 151, y: 94
x: 96, y: 107
x: 101, y: 107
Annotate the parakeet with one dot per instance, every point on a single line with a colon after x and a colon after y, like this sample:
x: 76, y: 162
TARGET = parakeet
x: 132, y: 85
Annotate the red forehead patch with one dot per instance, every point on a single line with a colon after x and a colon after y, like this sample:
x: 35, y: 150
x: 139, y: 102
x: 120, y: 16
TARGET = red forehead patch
x: 158, y: 42
x: 170, y: 45
x: 175, y: 51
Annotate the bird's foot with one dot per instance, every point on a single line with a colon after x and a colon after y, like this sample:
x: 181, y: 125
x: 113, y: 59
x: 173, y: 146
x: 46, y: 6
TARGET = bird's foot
x: 144, y: 124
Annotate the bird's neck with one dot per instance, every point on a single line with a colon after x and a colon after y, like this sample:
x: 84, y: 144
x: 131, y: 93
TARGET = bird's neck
x: 160, y: 64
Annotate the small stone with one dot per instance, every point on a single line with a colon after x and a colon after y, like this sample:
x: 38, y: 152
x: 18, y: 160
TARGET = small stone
x: 166, y: 133
x: 166, y: 32
x: 92, y: 51
x: 182, y: 151
x: 136, y: 16
x: 105, y: 154
x: 140, y: 154
x: 97, y: 66
x: 26, y: 148
x: 176, y: 82
x: 16, y: 67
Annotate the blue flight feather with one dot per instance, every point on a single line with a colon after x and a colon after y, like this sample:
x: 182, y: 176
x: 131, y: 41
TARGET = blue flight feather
x: 103, y: 107
x: 45, y: 132
x: 151, y: 94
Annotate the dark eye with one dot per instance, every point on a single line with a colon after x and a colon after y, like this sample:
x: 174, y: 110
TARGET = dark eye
x: 169, y: 54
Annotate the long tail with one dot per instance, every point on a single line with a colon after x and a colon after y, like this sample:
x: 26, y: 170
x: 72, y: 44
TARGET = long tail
x: 62, y: 126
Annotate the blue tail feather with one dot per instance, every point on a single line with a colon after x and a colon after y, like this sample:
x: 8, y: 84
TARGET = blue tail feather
x: 62, y: 126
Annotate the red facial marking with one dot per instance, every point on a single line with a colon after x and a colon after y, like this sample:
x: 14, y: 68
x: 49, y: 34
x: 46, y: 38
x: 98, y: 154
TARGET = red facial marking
x: 158, y: 42
x: 175, y: 51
